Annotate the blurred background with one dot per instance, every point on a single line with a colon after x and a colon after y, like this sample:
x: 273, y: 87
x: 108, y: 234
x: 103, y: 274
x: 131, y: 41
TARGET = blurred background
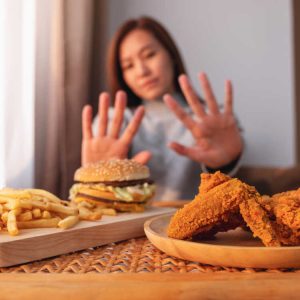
x: 52, y: 62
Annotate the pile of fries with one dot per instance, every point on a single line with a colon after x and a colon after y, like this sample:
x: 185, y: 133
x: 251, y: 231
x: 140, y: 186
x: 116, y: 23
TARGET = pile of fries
x: 85, y: 209
x: 35, y: 208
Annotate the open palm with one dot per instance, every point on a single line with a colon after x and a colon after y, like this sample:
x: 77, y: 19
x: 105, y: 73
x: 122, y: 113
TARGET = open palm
x: 217, y: 140
x: 107, y: 145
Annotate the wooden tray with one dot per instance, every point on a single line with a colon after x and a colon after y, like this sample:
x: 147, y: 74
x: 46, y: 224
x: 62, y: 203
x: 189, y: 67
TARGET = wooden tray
x: 34, y: 244
x: 235, y: 248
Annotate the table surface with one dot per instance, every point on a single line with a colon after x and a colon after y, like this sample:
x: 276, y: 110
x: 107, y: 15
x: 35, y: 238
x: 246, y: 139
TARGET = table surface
x: 135, y: 269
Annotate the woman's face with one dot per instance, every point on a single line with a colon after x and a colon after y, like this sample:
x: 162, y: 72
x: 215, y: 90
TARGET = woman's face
x: 147, y: 67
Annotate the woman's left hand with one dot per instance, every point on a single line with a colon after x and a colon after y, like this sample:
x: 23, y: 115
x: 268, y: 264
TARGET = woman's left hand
x: 217, y: 137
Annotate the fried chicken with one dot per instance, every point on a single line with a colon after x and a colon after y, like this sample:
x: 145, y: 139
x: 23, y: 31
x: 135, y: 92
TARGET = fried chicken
x: 284, y: 209
x: 224, y: 203
x: 212, y: 207
x: 229, y: 222
x: 259, y: 222
x: 209, y: 181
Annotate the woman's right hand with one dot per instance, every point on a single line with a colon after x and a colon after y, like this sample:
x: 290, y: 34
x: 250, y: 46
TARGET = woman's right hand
x: 107, y: 145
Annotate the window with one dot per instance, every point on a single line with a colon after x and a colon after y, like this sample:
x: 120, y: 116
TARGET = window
x: 17, y: 72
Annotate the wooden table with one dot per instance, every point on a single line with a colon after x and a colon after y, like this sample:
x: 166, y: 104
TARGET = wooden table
x: 135, y: 269
x: 150, y: 286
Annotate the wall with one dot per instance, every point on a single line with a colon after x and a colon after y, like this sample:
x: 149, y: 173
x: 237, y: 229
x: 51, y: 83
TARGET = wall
x: 248, y: 41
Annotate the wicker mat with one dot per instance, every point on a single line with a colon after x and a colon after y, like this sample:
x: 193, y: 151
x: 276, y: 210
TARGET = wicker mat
x: 135, y: 255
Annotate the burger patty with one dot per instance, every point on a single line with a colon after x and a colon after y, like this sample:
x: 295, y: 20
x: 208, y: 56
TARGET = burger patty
x: 121, y: 183
x: 109, y: 201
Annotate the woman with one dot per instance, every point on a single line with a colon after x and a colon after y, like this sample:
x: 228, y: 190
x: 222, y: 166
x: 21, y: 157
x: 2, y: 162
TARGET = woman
x: 145, y: 65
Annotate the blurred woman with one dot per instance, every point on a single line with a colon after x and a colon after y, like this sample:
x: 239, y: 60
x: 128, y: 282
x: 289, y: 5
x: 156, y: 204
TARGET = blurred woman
x: 157, y: 117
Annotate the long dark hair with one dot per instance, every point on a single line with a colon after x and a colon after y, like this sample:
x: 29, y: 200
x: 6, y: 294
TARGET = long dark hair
x: 114, y: 71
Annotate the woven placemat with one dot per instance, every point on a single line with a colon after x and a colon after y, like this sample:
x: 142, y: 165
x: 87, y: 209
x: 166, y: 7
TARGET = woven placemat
x: 135, y: 255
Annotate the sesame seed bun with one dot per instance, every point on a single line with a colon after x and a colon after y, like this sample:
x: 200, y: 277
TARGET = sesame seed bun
x: 112, y: 170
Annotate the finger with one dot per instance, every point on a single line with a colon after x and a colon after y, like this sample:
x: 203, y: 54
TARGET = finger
x: 133, y: 126
x: 179, y: 112
x: 103, y: 114
x: 120, y: 105
x: 191, y: 96
x: 178, y: 148
x: 208, y: 94
x: 143, y: 157
x: 188, y: 152
x: 87, y: 113
x: 228, y: 98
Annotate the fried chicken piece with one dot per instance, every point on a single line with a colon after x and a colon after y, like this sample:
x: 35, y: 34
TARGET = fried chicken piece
x: 284, y: 209
x: 224, y: 203
x: 229, y: 222
x: 259, y: 222
x: 286, y: 235
x: 209, y: 181
x: 209, y: 208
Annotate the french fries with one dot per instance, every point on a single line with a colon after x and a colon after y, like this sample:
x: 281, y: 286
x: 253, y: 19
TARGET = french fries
x: 99, y: 209
x: 36, y: 208
x: 40, y: 223
x: 68, y: 222
x: 26, y: 216
x: 12, y: 223
x: 107, y: 211
x: 85, y: 214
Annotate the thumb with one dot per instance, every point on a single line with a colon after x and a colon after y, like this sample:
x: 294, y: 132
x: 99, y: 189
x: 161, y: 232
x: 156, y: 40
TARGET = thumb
x: 143, y: 157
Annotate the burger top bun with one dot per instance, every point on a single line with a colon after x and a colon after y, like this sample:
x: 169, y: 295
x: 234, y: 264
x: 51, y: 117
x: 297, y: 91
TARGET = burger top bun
x: 112, y: 170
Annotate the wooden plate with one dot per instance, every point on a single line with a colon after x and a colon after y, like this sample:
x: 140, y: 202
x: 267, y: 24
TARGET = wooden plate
x: 235, y: 248
x: 34, y: 244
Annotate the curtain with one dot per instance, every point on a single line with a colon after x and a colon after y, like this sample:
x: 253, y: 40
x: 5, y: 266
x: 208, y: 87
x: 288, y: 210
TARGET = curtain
x: 71, y: 84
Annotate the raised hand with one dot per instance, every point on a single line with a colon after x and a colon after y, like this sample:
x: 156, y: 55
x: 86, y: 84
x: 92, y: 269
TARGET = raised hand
x: 107, y: 145
x: 217, y: 137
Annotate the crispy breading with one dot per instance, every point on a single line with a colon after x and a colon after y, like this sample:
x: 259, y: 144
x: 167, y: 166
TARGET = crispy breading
x: 224, y: 203
x: 209, y: 181
x: 229, y: 222
x: 208, y: 209
x: 258, y: 221
x: 286, y: 235
x: 284, y: 208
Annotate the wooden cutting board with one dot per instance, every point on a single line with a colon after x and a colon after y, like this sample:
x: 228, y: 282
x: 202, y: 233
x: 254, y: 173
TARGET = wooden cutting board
x: 34, y: 244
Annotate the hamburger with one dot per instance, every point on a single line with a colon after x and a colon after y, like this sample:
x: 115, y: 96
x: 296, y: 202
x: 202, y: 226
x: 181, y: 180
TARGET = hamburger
x: 122, y: 184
